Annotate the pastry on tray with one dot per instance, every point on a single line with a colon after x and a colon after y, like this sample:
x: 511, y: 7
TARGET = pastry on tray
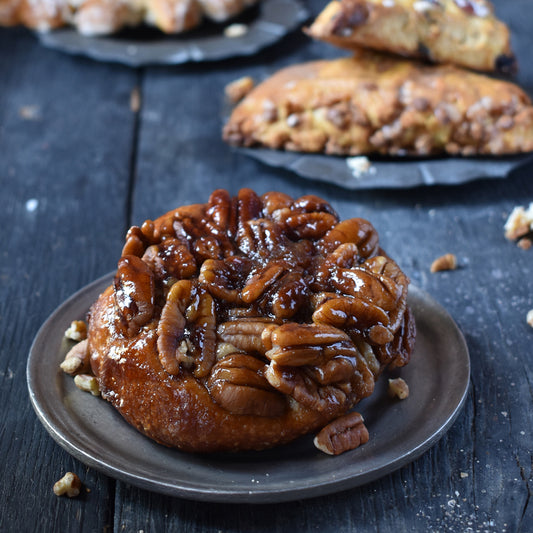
x: 248, y: 321
x: 374, y: 103
x: 99, y: 17
x: 464, y: 32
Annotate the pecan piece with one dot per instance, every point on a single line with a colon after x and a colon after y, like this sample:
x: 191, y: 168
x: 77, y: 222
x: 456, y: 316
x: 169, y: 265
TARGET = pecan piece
x: 170, y: 258
x: 398, y: 388
x: 354, y: 230
x: 186, y: 304
x: 134, y: 293
x: 345, y: 433
x: 444, y: 262
x: 260, y: 281
x: 77, y: 359
x: 350, y: 312
x: 237, y: 384
x: 246, y: 334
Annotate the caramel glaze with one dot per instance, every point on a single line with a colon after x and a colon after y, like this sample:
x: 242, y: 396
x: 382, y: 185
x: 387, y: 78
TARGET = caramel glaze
x: 246, y: 322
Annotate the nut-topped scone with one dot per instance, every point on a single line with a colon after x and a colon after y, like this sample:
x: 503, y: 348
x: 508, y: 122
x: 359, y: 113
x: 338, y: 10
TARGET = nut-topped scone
x: 100, y: 17
x: 374, y: 103
x: 246, y: 322
x: 463, y: 32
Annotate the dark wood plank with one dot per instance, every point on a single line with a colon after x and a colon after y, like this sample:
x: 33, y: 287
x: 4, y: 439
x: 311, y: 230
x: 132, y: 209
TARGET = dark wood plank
x: 69, y: 141
x: 479, y: 475
x: 65, y: 142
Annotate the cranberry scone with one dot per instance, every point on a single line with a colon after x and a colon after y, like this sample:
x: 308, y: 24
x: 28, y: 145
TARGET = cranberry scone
x: 374, y: 103
x: 463, y: 32
x: 100, y: 17
x: 246, y: 322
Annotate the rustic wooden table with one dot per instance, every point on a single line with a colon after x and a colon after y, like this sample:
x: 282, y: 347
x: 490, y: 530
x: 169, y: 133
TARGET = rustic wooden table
x: 78, y: 166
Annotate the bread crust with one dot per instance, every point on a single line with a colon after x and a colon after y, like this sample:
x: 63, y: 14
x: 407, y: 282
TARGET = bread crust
x: 374, y: 103
x: 466, y: 32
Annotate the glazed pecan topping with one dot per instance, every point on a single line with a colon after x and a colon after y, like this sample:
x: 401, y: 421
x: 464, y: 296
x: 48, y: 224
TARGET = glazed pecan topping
x: 262, y: 298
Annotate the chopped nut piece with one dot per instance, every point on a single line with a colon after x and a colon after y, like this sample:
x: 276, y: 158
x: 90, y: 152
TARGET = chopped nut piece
x: 87, y: 383
x: 77, y: 330
x: 238, y: 89
x: 135, y: 100
x: 529, y: 317
x: 69, y: 484
x: 235, y: 30
x: 346, y: 433
x: 463, y: 475
x: 77, y: 359
x: 30, y: 112
x: 445, y: 262
x: 519, y: 223
x: 525, y: 243
x: 398, y: 388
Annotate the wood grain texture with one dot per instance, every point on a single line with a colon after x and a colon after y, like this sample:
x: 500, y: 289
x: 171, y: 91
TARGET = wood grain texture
x: 69, y: 141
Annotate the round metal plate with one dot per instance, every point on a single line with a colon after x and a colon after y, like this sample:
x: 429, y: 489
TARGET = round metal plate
x: 267, y: 23
x: 393, y: 173
x: 91, y: 430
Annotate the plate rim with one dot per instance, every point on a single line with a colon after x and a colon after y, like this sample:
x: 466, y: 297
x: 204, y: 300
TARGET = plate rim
x: 227, y: 495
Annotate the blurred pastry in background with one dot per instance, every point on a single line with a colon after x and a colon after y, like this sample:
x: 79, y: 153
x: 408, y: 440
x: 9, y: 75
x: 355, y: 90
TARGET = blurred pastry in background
x: 374, y: 103
x: 463, y: 32
x: 100, y: 17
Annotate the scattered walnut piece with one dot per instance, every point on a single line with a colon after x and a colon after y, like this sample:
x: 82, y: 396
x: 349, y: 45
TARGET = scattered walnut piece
x: 77, y: 359
x: 77, y: 330
x: 238, y: 89
x: 87, y: 383
x: 235, y: 30
x: 463, y: 475
x: 529, y: 317
x: 345, y: 433
x: 445, y: 262
x: 69, y: 484
x: 519, y: 223
x: 398, y: 388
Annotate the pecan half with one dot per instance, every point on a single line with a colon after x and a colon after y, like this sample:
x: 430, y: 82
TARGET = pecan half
x: 237, y: 384
x: 134, y: 293
x: 187, y: 305
x: 345, y: 433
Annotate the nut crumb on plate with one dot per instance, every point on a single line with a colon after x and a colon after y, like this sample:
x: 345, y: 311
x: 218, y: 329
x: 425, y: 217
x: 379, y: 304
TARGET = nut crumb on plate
x: 235, y: 30
x: 444, y: 262
x: 529, y: 317
x: 69, y: 485
x: 87, y: 383
x: 398, y: 388
x: 77, y: 331
x: 360, y: 165
x: 77, y: 359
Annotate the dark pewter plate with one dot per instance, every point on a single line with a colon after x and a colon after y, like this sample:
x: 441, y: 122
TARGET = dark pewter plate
x: 91, y: 430
x: 267, y: 23
x: 395, y: 173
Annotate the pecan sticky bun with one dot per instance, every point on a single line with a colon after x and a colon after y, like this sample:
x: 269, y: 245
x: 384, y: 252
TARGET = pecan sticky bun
x: 245, y: 322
